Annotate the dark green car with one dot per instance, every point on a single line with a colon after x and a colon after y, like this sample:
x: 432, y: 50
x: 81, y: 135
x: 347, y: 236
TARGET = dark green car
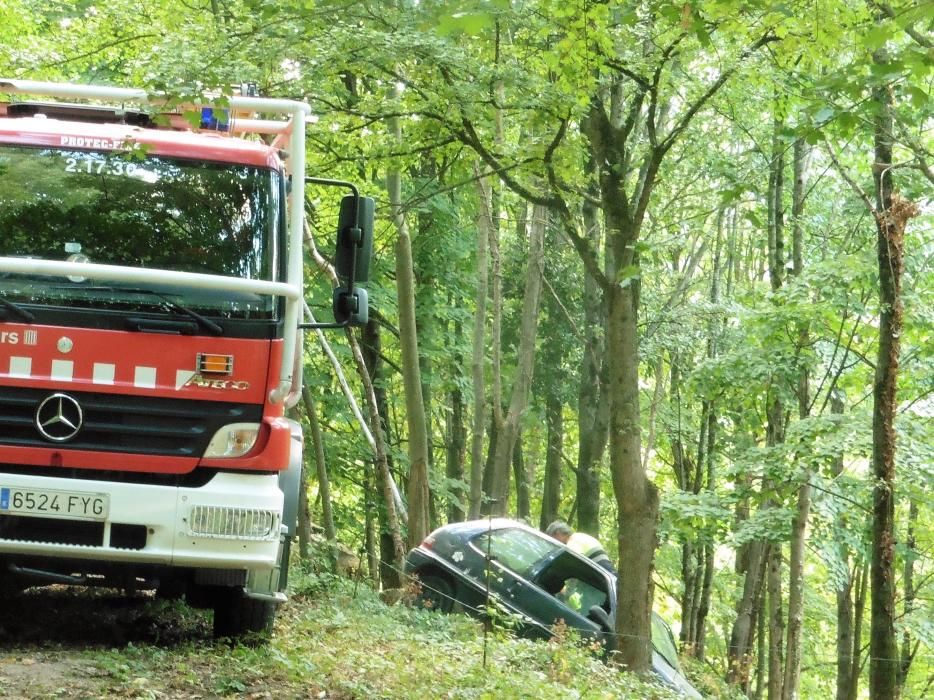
x: 534, y: 577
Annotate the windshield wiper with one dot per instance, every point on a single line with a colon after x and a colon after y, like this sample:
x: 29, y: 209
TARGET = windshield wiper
x: 215, y: 328
x: 27, y: 316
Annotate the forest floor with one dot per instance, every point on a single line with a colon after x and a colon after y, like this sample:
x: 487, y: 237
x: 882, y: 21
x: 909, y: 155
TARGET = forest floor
x: 334, y: 640
x: 58, y: 641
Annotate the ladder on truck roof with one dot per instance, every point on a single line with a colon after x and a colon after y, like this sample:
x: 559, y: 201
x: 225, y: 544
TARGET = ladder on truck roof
x: 289, y: 137
x: 236, y: 104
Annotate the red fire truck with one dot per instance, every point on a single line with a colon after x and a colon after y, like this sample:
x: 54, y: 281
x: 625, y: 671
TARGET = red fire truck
x: 151, y: 303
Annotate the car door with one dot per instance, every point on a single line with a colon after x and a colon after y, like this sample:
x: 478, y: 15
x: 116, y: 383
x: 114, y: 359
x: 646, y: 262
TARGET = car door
x: 520, y: 562
x: 582, y: 590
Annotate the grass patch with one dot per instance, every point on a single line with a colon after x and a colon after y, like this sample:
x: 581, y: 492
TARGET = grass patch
x: 334, y: 639
x: 346, y: 644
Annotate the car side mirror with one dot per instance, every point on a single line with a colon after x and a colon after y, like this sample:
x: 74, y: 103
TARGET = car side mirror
x: 354, y: 239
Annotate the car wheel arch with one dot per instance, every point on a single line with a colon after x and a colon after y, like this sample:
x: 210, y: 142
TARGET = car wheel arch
x: 435, y: 588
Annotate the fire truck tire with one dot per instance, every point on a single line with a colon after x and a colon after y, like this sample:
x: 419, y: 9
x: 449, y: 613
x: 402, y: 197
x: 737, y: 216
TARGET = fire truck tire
x: 244, y: 619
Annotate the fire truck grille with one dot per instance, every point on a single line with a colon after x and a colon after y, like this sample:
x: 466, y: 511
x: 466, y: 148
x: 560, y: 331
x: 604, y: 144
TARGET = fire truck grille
x: 131, y: 424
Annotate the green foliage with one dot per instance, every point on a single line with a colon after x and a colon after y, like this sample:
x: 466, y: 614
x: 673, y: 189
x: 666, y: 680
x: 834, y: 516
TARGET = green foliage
x: 704, y: 518
x: 519, y: 73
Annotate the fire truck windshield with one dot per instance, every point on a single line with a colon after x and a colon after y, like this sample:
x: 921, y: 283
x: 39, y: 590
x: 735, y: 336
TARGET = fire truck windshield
x: 137, y: 210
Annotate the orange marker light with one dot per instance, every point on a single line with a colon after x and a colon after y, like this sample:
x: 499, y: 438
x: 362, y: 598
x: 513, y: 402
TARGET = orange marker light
x: 215, y: 364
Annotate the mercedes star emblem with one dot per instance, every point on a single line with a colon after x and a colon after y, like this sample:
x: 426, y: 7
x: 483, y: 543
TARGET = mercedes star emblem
x: 59, y: 418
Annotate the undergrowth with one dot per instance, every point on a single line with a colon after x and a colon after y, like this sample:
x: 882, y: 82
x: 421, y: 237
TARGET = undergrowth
x: 336, y: 640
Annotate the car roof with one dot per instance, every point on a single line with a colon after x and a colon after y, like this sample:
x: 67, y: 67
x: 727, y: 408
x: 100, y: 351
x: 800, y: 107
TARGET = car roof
x: 470, y: 528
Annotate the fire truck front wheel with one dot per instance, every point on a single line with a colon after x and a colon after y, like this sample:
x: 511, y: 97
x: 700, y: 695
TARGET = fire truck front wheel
x: 244, y: 619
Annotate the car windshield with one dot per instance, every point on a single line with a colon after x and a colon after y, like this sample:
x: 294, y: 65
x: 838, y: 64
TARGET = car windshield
x: 664, y: 641
x: 137, y: 210
x: 516, y: 549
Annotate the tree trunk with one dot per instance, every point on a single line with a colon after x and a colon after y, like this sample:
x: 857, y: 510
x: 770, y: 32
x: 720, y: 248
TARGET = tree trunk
x: 303, y: 529
x: 908, y: 580
x: 492, y: 480
x: 658, y: 391
x: 551, y: 492
x: 762, y: 655
x: 891, y: 215
x: 478, y: 353
x: 709, y: 411
x: 700, y: 627
x: 775, y: 210
x: 523, y: 496
x: 849, y: 615
x: 419, y: 524
x: 775, y: 410
x: 522, y: 385
x: 324, y: 483
x: 850, y: 605
x: 425, y: 382
x: 615, y: 130
x: 424, y: 321
x: 862, y: 581
x: 803, y: 509
x: 844, y: 640
x: 796, y: 592
x: 373, y: 557
x: 456, y: 448
x: 636, y: 496
x: 739, y: 652
x: 776, y: 622
x: 684, y: 470
x: 592, y: 407
x: 388, y: 566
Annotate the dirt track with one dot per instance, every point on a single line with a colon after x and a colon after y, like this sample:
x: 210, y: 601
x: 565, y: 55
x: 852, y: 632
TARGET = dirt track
x: 51, y: 637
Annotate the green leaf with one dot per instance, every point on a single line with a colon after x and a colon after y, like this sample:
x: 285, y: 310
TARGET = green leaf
x: 824, y: 115
x: 919, y: 98
x: 465, y: 23
x: 877, y: 36
x: 846, y: 122
x: 628, y: 274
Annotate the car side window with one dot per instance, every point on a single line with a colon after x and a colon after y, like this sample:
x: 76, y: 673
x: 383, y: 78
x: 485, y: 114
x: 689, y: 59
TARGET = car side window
x: 515, y: 549
x: 580, y: 595
x: 576, y: 582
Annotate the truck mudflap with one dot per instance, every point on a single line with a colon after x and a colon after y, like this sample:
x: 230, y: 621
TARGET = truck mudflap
x: 276, y: 597
x: 269, y: 584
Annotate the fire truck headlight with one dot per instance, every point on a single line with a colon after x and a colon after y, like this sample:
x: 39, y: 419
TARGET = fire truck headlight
x: 233, y: 440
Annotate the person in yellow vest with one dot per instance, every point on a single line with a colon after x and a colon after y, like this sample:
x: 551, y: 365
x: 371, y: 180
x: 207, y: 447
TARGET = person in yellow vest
x: 582, y: 543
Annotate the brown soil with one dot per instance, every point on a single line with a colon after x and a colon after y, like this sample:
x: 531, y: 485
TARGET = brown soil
x: 49, y: 638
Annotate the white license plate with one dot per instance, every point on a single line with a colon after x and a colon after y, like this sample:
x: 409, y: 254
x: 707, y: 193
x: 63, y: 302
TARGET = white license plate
x: 54, y: 504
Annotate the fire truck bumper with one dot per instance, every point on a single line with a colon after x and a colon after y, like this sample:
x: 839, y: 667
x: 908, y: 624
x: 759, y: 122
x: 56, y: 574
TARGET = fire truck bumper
x: 232, y: 522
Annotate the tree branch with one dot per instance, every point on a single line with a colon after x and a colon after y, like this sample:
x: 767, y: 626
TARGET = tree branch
x: 846, y: 176
x: 686, y: 118
x: 98, y: 49
x: 922, y: 39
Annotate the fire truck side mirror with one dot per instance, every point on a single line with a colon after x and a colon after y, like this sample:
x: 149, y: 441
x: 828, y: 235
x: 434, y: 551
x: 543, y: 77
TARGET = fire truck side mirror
x: 354, y: 239
x: 351, y: 308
